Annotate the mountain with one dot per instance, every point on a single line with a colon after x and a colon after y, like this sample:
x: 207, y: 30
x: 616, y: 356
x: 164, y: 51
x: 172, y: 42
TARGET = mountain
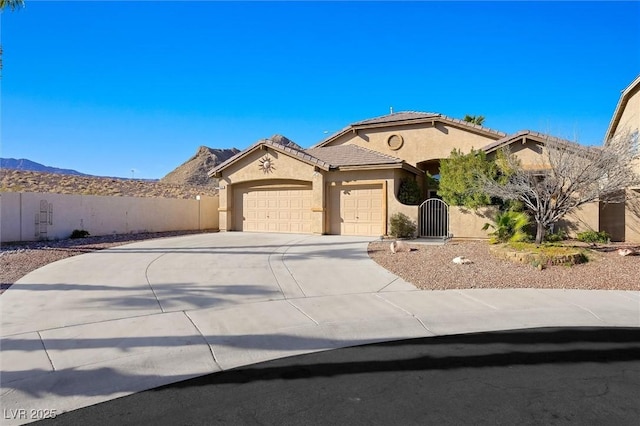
x: 24, y: 164
x: 194, y: 170
x: 286, y: 142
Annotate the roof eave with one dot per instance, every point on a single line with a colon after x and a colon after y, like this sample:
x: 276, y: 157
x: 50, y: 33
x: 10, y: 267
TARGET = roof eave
x: 422, y: 120
x: 304, y: 157
x: 399, y: 165
x: 617, y: 113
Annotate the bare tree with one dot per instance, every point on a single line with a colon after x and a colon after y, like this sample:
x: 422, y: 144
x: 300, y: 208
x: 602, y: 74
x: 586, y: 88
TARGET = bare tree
x: 568, y: 176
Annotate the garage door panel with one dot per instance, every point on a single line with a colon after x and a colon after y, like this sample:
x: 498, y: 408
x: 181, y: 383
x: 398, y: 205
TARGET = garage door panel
x: 360, y: 210
x: 276, y: 210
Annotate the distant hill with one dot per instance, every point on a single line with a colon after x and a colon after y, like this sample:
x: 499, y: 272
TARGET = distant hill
x: 29, y: 181
x: 185, y: 181
x: 194, y: 170
x: 28, y: 165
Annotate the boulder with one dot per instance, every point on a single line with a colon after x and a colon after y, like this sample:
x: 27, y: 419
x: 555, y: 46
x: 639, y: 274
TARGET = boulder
x: 626, y: 252
x: 399, y: 247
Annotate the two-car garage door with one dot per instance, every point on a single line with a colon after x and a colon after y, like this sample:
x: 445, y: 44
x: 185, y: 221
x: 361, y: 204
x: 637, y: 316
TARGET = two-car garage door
x: 352, y: 210
x: 276, y: 210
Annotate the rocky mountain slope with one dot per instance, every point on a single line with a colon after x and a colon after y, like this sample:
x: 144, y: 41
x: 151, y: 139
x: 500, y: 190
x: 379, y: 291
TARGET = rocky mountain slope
x: 186, y: 181
x: 194, y: 170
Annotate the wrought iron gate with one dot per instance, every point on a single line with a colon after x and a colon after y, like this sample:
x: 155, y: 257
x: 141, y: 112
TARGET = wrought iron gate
x: 433, y: 220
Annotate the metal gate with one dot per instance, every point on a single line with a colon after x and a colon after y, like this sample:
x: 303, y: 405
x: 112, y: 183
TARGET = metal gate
x: 433, y: 220
x: 43, y: 218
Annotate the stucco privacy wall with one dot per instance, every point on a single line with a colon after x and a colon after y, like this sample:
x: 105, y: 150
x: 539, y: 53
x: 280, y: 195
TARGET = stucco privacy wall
x: 467, y: 223
x: 57, y: 215
x: 632, y: 216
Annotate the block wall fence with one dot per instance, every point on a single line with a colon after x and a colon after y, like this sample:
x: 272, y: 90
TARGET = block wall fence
x: 31, y: 216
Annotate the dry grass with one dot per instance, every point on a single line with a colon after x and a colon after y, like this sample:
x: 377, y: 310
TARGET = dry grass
x: 27, y: 181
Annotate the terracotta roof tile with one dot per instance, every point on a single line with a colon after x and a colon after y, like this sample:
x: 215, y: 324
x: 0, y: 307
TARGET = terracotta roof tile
x: 406, y: 117
x: 301, y: 154
x: 507, y: 140
x: 351, y: 155
x: 397, y: 116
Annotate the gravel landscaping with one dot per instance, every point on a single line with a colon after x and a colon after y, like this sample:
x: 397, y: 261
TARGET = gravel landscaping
x: 426, y: 266
x: 430, y: 267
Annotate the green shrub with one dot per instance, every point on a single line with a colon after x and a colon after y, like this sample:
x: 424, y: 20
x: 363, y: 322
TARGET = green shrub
x: 555, y: 237
x: 79, y: 233
x: 594, y: 237
x: 402, y: 226
x: 509, y: 226
x: 409, y: 192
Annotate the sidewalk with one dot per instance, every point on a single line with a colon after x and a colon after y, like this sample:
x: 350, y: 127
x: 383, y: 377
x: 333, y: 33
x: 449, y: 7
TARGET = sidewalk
x: 107, y: 324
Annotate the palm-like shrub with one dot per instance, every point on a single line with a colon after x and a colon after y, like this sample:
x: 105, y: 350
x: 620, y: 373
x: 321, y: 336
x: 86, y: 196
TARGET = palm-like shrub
x: 509, y: 226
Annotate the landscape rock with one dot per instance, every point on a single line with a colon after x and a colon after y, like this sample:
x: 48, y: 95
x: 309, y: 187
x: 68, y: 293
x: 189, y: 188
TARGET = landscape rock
x: 461, y: 260
x: 626, y: 252
x: 399, y: 247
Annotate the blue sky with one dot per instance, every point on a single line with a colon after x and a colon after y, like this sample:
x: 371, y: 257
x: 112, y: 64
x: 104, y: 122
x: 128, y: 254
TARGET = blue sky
x: 110, y: 87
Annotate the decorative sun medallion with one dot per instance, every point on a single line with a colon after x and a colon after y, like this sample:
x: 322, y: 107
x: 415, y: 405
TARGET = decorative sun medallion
x: 395, y: 142
x: 266, y: 164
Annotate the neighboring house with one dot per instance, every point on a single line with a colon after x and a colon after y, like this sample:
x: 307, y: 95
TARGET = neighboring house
x: 348, y: 184
x: 623, y: 220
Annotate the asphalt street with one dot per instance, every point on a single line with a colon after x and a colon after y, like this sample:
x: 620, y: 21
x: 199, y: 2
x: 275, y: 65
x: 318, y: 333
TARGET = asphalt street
x: 574, y: 375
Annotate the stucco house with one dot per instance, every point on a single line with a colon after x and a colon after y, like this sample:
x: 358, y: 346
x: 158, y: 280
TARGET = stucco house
x: 623, y: 220
x: 348, y: 183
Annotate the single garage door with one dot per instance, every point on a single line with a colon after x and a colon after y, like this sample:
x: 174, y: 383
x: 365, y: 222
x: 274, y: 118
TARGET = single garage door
x: 277, y: 210
x: 360, y: 210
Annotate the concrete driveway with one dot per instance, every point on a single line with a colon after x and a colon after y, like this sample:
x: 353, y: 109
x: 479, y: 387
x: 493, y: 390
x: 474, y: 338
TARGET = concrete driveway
x: 106, y: 324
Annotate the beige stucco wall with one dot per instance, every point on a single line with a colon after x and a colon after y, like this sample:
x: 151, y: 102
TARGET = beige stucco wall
x: 629, y: 126
x: 632, y: 217
x: 287, y: 171
x: 100, y: 215
x: 584, y: 218
x: 467, y: 223
x: 247, y: 172
x: 388, y: 178
x: 421, y: 141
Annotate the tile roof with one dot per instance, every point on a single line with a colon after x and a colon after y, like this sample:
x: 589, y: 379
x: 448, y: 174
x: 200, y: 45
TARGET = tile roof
x: 397, y: 116
x: 351, y: 155
x: 407, y: 117
x: 294, y: 152
x: 507, y: 140
x: 625, y: 95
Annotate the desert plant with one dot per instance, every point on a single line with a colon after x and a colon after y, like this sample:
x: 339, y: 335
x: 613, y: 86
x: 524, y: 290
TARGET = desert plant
x: 509, y: 226
x: 79, y: 233
x: 594, y: 237
x: 401, y: 226
x: 555, y: 237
